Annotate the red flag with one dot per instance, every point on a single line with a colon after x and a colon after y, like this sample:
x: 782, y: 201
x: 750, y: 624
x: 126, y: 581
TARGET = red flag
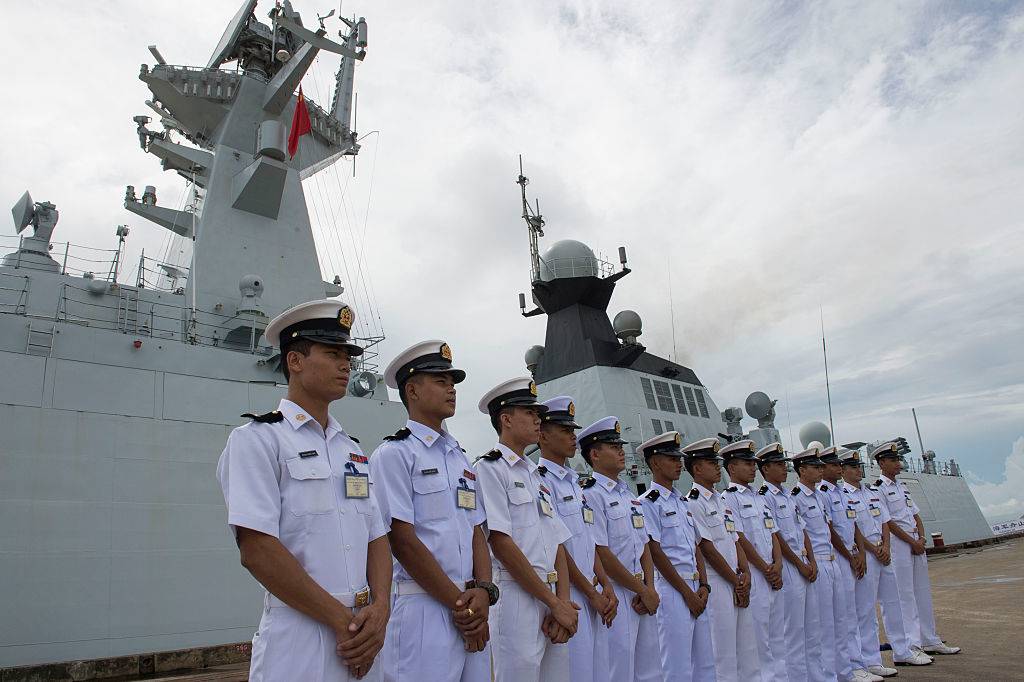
x: 300, y: 125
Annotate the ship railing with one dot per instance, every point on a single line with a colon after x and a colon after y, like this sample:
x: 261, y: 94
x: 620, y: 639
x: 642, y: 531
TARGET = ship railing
x: 101, y: 304
x: 73, y: 259
x: 584, y: 266
x: 156, y: 275
x: 920, y: 466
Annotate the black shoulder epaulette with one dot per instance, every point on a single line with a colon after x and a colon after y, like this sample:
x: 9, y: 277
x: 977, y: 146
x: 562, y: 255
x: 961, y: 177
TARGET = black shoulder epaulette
x: 400, y: 434
x: 823, y: 488
x: 492, y: 456
x: 268, y: 418
x: 463, y: 450
x: 878, y: 482
x: 352, y: 438
x: 872, y: 487
x: 588, y: 482
x: 542, y: 470
x: 693, y: 494
x: 653, y: 494
x: 731, y: 489
x: 763, y: 490
x: 796, y: 489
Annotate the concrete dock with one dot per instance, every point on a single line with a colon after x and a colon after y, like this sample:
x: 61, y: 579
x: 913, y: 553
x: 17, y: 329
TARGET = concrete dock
x: 978, y: 597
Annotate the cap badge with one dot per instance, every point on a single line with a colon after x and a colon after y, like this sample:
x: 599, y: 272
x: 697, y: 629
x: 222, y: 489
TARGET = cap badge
x: 716, y: 446
x: 533, y: 389
x: 571, y: 409
x: 446, y: 352
x: 345, y: 317
x: 678, y: 439
x: 618, y: 427
x: 750, y: 446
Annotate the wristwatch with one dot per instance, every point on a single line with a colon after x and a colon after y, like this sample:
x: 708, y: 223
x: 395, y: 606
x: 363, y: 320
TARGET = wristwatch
x: 700, y: 585
x: 490, y: 588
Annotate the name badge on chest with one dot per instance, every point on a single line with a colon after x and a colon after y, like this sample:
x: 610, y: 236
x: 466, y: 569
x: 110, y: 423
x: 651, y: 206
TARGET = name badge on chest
x: 638, y: 519
x: 769, y: 522
x: 545, y: 504
x: 730, y: 525
x: 465, y: 498
x: 875, y: 511
x: 851, y: 514
x: 588, y: 513
x: 357, y: 485
x: 909, y: 502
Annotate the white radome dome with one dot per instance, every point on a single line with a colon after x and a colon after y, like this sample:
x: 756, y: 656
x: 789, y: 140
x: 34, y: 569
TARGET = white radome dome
x: 568, y: 258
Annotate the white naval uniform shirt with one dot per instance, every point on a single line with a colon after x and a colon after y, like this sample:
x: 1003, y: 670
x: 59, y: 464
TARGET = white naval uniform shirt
x: 841, y: 513
x: 575, y: 511
x: 783, y: 509
x: 670, y: 523
x: 901, y: 508
x: 616, y: 525
x: 754, y: 518
x: 871, y: 511
x: 418, y: 480
x: 814, y: 518
x: 714, y: 521
x: 287, y: 479
x: 518, y: 504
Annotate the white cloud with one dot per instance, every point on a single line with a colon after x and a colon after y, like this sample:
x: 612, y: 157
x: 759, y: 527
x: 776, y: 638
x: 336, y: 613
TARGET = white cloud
x: 1005, y: 499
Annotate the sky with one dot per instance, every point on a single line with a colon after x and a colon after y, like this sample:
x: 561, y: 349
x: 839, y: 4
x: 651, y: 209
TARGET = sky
x: 768, y: 166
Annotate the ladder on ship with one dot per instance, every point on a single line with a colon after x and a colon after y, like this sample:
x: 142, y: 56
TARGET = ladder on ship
x: 128, y: 310
x: 40, y: 341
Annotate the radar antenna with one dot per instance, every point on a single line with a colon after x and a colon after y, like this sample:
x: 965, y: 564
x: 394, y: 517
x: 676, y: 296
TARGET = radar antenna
x: 534, y: 223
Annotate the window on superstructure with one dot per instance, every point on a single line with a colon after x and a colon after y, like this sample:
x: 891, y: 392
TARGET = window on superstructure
x: 677, y: 391
x: 701, y: 404
x: 657, y: 427
x: 669, y: 426
x: 665, y: 403
x: 690, y: 402
x: 648, y: 393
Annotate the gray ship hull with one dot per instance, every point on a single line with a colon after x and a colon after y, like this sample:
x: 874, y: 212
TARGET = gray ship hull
x: 114, y: 536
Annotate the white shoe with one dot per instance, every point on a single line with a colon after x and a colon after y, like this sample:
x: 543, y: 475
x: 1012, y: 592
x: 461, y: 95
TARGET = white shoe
x: 921, y: 651
x: 861, y: 675
x: 882, y: 671
x: 942, y: 648
x: 916, y: 658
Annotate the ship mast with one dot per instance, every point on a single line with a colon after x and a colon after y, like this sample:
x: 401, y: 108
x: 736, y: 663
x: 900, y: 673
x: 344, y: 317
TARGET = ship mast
x: 534, y: 224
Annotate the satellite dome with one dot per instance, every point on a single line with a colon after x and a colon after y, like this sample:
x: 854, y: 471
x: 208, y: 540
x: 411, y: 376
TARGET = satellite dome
x: 627, y: 325
x: 568, y: 258
x: 815, y: 431
x: 758, y: 404
x: 533, y: 356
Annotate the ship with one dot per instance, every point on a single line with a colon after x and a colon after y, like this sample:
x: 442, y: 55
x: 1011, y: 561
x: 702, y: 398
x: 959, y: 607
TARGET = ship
x: 601, y: 361
x: 118, y: 396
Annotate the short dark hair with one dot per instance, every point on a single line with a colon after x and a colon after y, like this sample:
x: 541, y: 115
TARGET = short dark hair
x: 401, y: 389
x: 688, y: 462
x: 496, y: 418
x: 303, y: 346
x: 799, y: 465
x: 585, y: 452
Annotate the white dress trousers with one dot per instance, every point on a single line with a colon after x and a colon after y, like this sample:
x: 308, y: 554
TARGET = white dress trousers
x: 588, y: 648
x: 423, y: 643
x: 518, y: 642
x: 795, y: 594
x: 687, y: 652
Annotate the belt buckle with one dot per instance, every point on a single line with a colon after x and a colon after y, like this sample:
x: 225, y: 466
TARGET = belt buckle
x: 695, y: 576
x: 552, y: 577
x: 831, y: 557
x: 638, y: 576
x: 363, y: 597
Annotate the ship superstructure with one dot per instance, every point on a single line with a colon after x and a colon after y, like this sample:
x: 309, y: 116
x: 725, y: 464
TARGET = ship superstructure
x: 119, y: 395
x: 600, y: 361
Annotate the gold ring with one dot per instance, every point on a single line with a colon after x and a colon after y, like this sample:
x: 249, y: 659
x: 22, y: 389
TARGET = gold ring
x: 469, y: 611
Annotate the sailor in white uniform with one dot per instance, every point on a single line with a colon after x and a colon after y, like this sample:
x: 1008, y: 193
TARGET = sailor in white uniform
x: 871, y: 518
x: 621, y: 538
x: 757, y: 531
x: 732, y: 625
x: 303, y: 509
x: 427, y: 493
x: 684, y: 626
x: 535, y: 617
x: 799, y: 571
x: 591, y: 588
x: 909, y: 560
x: 813, y: 513
x: 849, y: 565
